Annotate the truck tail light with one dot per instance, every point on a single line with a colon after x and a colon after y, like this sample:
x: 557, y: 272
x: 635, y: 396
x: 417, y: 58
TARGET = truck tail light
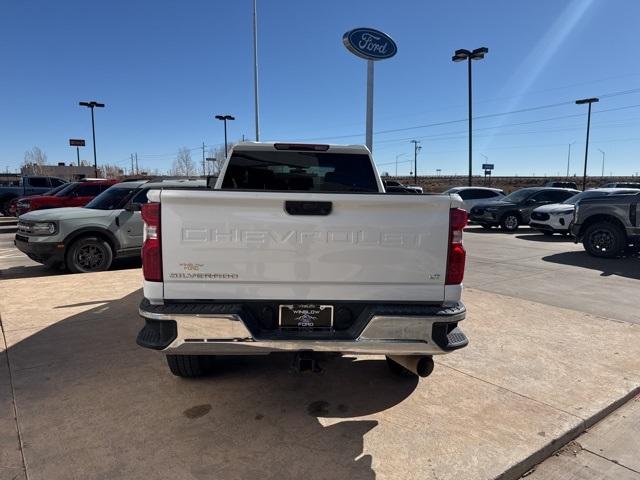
x: 151, y: 248
x: 456, y: 256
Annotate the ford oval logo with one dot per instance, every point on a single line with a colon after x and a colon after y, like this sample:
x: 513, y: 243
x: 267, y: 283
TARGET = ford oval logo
x: 369, y: 44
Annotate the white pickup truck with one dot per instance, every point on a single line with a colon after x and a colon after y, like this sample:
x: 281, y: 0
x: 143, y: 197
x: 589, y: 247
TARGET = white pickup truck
x: 299, y: 249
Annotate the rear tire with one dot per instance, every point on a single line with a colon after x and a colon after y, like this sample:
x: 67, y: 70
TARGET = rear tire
x: 190, y: 366
x: 89, y: 254
x: 604, y: 240
x: 510, y: 222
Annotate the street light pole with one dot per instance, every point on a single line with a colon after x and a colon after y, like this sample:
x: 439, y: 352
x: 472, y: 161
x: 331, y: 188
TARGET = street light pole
x: 398, y: 156
x: 459, y: 56
x: 224, y: 118
x: 588, y: 101
x: 602, y: 152
x: 569, y: 158
x: 92, y: 105
x: 416, y: 149
x: 255, y: 69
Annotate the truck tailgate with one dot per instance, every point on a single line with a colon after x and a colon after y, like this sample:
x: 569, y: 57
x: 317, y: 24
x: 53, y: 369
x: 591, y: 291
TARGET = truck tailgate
x: 239, y: 245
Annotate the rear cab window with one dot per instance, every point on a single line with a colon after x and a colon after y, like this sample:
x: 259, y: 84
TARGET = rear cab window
x: 300, y: 171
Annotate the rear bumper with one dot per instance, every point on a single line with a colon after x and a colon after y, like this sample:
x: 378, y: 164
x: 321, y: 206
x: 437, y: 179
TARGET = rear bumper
x: 221, y: 329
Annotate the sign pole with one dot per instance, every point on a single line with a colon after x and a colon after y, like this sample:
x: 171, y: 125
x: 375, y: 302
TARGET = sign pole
x: 78, y: 153
x: 371, y: 45
x: 369, y: 134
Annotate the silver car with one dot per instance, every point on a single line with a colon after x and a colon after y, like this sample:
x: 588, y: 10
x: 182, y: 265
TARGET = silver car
x: 89, y: 238
x: 474, y: 195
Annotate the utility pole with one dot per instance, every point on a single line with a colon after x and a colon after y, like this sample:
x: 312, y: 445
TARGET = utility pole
x: 204, y: 170
x: 602, y: 152
x: 137, y: 170
x: 132, y: 169
x: 416, y: 149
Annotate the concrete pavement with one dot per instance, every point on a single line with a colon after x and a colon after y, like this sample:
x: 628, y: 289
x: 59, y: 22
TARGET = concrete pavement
x: 91, y: 404
x: 608, y: 451
x: 552, y: 270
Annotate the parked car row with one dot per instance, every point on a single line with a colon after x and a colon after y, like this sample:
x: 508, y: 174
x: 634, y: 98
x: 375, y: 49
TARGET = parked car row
x: 606, y: 220
x: 27, y: 185
x: 89, y: 238
x: 516, y: 208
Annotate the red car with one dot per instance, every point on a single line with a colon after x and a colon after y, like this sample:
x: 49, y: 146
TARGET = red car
x: 75, y: 194
x: 13, y: 204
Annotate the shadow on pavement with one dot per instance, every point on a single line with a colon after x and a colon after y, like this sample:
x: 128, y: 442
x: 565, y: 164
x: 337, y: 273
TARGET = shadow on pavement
x: 534, y: 236
x: 478, y: 229
x: 32, y: 271
x: 623, y: 267
x: 94, y: 405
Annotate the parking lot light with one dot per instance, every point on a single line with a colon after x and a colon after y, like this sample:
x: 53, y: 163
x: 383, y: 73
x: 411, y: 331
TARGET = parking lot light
x: 588, y: 101
x: 93, y: 105
x: 459, y: 56
x: 224, y: 118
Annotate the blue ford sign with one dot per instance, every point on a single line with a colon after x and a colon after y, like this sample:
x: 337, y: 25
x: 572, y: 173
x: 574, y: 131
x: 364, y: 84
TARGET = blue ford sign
x: 369, y: 44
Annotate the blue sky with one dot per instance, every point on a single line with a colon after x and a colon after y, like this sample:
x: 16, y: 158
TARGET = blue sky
x: 164, y: 69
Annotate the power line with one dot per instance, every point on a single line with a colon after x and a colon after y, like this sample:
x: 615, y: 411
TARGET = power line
x: 478, y: 117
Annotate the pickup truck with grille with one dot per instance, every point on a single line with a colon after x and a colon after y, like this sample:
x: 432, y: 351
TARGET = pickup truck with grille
x: 299, y: 249
x: 608, y: 226
x: 25, y: 186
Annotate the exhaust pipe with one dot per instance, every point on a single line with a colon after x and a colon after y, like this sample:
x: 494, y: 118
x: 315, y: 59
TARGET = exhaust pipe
x: 421, y: 366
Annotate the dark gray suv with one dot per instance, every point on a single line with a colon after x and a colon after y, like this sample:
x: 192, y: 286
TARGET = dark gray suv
x: 515, y: 209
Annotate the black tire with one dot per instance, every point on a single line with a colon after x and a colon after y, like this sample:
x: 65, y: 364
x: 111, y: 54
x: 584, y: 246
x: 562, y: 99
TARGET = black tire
x: 486, y: 226
x: 89, y: 254
x: 510, y: 222
x: 190, y: 366
x: 399, y: 370
x: 4, y: 207
x: 604, y: 239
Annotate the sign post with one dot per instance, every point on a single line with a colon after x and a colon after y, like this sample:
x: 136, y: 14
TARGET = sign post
x: 371, y: 45
x: 77, y: 142
x: 487, y: 167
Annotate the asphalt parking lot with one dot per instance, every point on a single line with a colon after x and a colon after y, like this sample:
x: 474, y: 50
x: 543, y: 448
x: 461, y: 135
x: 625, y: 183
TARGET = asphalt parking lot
x: 555, y: 346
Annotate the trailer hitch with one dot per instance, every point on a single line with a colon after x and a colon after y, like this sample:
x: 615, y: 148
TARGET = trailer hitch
x: 305, y: 361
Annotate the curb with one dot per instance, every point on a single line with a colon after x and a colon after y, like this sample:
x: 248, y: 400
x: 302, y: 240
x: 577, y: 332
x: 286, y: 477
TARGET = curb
x: 518, y: 470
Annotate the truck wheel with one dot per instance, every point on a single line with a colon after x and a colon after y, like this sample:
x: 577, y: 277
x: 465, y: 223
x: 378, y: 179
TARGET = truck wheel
x: 190, y: 366
x: 510, y: 222
x: 604, y: 239
x: 398, y: 369
x: 89, y: 254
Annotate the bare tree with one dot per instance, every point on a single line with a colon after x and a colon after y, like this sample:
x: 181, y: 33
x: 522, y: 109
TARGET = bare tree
x: 111, y: 171
x: 213, y: 166
x: 35, y: 159
x: 183, y: 165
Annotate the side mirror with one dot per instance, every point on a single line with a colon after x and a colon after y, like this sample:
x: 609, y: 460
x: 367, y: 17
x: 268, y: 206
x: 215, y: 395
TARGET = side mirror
x: 133, y: 207
x: 531, y: 201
